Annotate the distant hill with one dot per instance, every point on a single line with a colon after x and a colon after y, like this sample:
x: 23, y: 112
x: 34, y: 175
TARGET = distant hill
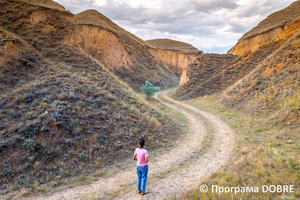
x: 126, y: 54
x: 176, y: 55
x: 168, y: 44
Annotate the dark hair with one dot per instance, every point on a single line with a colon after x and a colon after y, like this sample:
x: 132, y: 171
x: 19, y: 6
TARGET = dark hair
x: 141, y: 143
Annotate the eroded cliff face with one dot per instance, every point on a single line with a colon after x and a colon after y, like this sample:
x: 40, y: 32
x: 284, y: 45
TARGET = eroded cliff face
x: 278, y: 25
x: 290, y: 28
x: 105, y: 47
x: 174, y: 54
x: 128, y: 56
x: 183, y: 78
x: 176, y: 61
x: 253, y: 43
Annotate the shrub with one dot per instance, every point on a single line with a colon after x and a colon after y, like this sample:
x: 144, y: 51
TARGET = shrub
x: 28, y: 143
x: 149, y: 90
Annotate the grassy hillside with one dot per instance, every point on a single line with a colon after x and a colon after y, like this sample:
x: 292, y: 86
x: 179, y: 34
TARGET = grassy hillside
x: 272, y: 88
x: 211, y: 73
x: 168, y: 44
x: 61, y: 112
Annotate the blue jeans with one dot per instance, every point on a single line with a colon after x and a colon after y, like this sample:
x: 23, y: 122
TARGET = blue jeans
x: 142, y: 175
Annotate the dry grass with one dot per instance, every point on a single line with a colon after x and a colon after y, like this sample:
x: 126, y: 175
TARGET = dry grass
x: 173, y: 45
x: 271, y: 89
x: 264, y: 155
x: 43, y: 3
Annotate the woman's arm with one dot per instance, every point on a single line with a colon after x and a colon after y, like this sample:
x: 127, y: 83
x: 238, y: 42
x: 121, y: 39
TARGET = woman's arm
x: 146, y: 159
x: 134, y: 157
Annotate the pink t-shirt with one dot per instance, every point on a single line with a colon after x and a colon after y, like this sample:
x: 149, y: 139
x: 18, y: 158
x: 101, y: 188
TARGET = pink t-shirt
x: 140, y: 155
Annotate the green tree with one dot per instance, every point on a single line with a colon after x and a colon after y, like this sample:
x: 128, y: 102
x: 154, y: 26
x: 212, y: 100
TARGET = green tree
x: 149, y: 90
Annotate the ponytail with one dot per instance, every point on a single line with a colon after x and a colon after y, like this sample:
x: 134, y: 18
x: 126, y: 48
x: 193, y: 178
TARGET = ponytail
x: 141, y: 143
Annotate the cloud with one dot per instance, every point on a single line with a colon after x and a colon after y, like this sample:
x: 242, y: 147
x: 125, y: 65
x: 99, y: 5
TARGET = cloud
x: 212, y: 5
x: 209, y: 25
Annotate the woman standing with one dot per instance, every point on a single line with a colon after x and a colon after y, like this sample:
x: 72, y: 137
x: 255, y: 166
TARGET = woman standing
x: 141, y: 155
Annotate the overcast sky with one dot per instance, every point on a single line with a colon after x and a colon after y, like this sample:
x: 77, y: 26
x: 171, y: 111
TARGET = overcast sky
x: 213, y: 26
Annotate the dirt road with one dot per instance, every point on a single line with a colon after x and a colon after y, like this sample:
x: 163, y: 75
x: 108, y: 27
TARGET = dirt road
x: 170, y: 173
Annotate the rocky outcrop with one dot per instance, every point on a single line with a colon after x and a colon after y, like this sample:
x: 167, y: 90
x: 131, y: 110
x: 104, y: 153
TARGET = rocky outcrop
x: 275, y: 25
x: 176, y: 55
x: 124, y: 53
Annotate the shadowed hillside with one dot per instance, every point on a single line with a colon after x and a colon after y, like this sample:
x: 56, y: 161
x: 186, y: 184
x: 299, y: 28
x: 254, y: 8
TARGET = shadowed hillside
x: 126, y: 54
x: 176, y: 55
x: 61, y: 112
x: 211, y: 73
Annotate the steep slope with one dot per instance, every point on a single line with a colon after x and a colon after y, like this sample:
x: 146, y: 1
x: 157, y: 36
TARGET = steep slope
x: 211, y: 73
x: 204, y: 76
x: 176, y: 55
x: 25, y: 25
x: 61, y: 113
x: 269, y: 29
x: 272, y: 89
x: 126, y: 54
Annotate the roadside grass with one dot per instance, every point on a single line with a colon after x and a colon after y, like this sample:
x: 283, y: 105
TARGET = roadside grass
x: 263, y: 155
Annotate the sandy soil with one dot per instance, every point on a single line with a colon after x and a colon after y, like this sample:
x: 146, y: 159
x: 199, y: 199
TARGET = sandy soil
x: 170, y: 173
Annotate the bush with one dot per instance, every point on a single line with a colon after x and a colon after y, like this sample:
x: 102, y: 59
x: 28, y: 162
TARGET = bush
x: 149, y: 90
x: 28, y: 143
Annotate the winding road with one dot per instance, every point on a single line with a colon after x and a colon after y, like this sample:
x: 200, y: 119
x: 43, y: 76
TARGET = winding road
x: 171, y: 173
